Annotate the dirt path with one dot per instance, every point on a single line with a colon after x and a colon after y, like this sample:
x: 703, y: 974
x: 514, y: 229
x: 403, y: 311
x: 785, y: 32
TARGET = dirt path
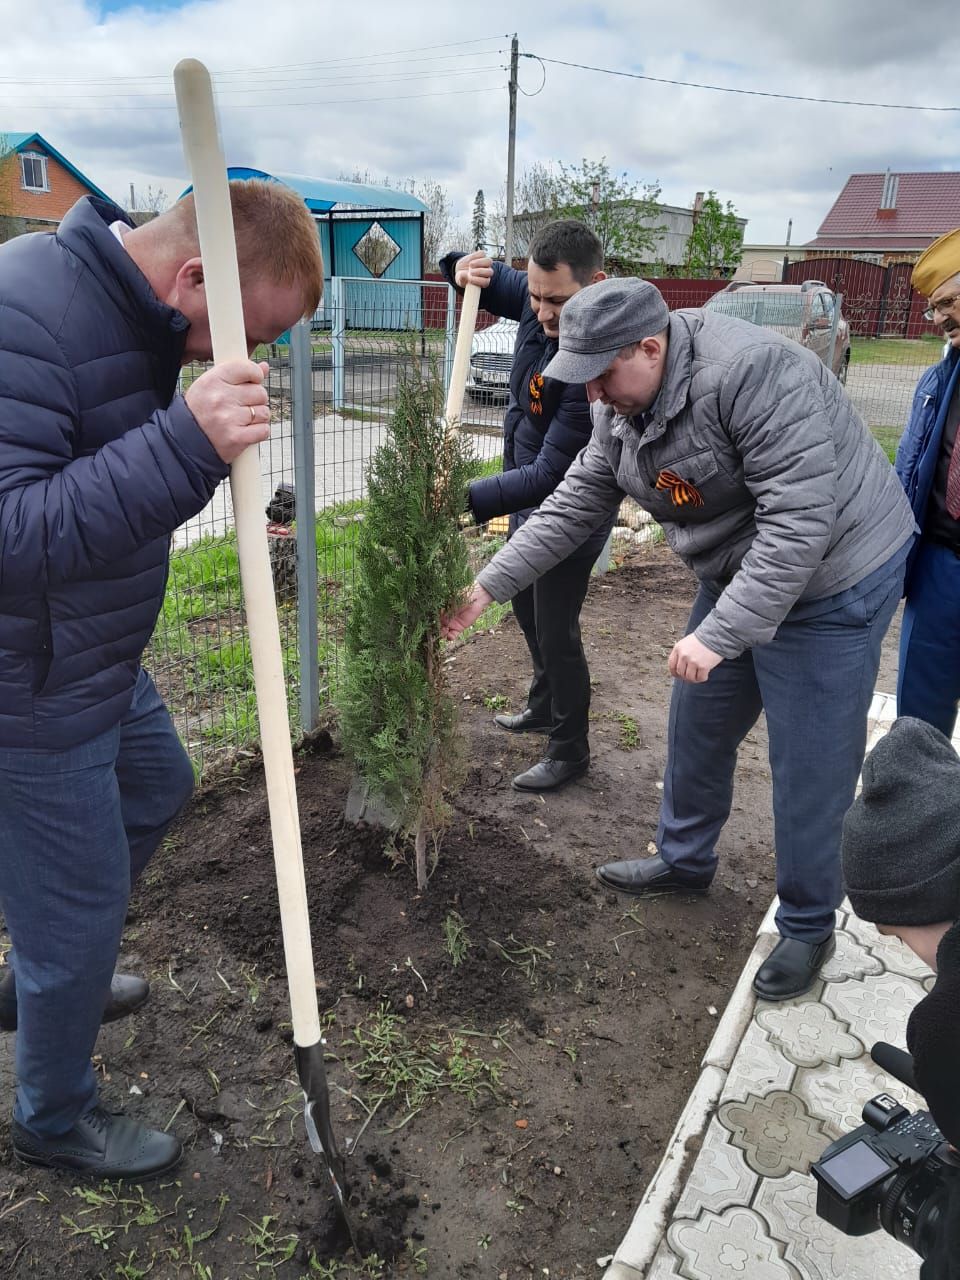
x: 520, y: 1097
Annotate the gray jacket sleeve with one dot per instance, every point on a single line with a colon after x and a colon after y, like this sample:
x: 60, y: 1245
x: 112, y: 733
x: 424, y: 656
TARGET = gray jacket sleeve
x: 777, y: 418
x: 586, y: 496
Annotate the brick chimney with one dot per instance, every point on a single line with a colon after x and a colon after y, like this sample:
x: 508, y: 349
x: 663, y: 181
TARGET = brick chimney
x: 888, y: 199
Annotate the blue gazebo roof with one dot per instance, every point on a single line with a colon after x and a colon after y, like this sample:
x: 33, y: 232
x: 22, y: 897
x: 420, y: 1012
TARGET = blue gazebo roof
x: 322, y: 194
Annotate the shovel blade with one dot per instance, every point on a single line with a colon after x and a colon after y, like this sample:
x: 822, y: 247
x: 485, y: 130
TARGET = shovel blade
x: 316, y: 1115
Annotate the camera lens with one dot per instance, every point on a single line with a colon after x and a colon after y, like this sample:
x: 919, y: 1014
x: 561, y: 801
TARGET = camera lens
x: 911, y: 1209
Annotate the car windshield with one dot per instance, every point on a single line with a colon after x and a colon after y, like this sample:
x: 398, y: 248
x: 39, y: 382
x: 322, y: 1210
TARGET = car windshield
x: 771, y: 309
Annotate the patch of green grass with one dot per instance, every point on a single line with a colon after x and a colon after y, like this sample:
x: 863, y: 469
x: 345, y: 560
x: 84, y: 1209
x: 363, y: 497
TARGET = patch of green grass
x: 888, y: 438
x: 496, y: 701
x: 392, y: 1066
x: 908, y: 351
x: 629, y: 732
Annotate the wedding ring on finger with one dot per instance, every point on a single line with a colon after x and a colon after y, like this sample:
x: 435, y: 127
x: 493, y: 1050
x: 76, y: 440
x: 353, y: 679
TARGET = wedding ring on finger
x: 253, y: 413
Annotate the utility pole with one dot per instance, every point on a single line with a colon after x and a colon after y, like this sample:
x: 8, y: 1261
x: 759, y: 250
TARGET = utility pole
x: 511, y: 150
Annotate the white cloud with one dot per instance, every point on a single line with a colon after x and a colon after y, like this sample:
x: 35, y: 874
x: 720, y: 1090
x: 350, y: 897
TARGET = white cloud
x: 777, y: 160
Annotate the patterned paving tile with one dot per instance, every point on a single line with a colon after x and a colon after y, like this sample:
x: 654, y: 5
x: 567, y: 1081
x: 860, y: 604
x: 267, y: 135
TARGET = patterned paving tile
x: 758, y: 1067
x: 807, y: 1033
x: 878, y: 1008
x: 720, y: 1178
x: 776, y: 1133
x: 852, y: 959
x: 837, y: 1092
x: 733, y: 1243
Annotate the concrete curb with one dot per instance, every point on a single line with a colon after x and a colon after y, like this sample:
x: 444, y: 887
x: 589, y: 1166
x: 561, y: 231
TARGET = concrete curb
x: 638, y: 1246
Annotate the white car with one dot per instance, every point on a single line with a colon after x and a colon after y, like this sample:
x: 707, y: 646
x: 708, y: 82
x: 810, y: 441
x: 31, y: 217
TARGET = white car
x: 491, y: 359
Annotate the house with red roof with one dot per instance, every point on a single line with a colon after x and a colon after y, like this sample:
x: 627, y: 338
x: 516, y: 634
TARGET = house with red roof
x: 37, y: 185
x: 889, y: 217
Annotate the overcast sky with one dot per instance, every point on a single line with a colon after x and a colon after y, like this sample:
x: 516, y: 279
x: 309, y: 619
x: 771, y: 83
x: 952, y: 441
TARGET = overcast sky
x: 412, y: 90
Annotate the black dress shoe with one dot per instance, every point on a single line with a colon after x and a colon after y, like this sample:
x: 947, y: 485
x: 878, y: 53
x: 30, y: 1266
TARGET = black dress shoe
x: 127, y: 993
x: 792, y: 967
x: 548, y: 775
x: 101, y: 1145
x: 648, y: 875
x: 525, y: 722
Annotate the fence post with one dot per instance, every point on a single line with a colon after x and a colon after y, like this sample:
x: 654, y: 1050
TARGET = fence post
x: 338, y: 323
x: 451, y: 340
x: 304, y: 482
x: 837, y: 304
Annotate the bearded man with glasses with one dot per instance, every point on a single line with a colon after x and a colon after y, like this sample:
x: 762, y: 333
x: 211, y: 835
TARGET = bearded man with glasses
x: 928, y: 683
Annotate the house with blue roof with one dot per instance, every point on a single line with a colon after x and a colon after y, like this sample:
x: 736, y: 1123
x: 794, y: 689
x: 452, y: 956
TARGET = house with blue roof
x: 37, y: 184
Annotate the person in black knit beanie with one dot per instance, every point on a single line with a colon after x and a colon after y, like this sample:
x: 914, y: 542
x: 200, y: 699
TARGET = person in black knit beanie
x: 901, y: 867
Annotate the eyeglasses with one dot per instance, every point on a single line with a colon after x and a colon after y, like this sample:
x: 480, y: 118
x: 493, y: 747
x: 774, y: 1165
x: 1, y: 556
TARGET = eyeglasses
x: 943, y: 306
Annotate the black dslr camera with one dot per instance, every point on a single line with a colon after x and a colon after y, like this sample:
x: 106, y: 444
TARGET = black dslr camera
x: 891, y: 1172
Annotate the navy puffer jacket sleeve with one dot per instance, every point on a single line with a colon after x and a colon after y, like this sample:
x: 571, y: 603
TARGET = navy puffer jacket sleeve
x: 63, y: 516
x: 547, y: 422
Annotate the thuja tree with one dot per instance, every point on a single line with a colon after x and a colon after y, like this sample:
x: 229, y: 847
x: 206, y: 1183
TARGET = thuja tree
x: 397, y: 717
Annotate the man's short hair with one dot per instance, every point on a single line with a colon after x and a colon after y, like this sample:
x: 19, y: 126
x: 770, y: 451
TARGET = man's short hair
x: 277, y: 238
x: 571, y: 242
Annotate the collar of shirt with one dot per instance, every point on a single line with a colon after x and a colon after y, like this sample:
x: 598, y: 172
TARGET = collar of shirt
x: 119, y: 229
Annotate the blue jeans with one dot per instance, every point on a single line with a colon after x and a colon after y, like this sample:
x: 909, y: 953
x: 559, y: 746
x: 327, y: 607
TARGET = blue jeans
x: 76, y: 829
x: 928, y: 682
x: 815, y: 681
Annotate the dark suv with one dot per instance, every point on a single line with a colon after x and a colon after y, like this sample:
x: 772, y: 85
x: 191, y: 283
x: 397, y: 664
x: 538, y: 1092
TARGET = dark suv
x: 803, y: 312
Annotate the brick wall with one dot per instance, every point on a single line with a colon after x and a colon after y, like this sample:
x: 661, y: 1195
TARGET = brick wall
x: 64, y: 191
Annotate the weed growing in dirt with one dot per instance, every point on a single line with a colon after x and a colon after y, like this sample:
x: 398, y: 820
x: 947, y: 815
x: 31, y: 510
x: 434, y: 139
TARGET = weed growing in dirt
x: 496, y: 701
x: 523, y: 956
x: 456, y: 940
x: 629, y: 732
x: 269, y: 1247
x: 393, y: 1067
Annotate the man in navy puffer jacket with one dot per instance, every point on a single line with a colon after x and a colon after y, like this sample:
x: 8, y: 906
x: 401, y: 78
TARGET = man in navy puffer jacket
x: 100, y: 460
x: 546, y: 425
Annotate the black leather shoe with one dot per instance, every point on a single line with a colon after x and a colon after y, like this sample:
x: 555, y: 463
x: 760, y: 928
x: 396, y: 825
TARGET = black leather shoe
x: 127, y: 993
x: 792, y: 967
x: 548, y: 775
x: 525, y: 722
x: 101, y: 1145
x: 649, y: 875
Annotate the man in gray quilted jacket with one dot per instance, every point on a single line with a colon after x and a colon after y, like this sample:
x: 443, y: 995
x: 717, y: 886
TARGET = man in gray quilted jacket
x: 743, y: 446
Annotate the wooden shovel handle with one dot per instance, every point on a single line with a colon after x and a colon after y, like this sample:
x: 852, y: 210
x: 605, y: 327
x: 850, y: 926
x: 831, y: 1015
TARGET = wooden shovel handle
x: 461, y: 355
x: 201, y: 143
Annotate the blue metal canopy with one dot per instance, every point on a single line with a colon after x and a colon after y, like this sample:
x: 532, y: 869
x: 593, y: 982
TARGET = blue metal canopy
x: 323, y: 194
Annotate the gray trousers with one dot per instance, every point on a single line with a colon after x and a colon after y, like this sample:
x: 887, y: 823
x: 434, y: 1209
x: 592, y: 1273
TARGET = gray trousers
x: 815, y: 682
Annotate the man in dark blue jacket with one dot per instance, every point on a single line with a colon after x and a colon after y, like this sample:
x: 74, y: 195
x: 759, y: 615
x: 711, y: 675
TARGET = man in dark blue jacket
x: 100, y: 460
x: 928, y: 683
x: 546, y: 425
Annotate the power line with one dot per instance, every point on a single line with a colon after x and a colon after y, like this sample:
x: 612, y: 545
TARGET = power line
x: 753, y: 93
x: 258, y: 106
x: 224, y: 93
x: 362, y: 59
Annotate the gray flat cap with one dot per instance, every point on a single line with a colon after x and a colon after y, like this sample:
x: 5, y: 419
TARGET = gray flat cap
x: 601, y: 319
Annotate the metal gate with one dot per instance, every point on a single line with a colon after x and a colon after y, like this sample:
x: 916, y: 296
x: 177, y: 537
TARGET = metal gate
x: 879, y: 302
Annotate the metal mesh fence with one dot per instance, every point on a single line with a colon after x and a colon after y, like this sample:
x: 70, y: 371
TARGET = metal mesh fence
x: 338, y: 381
x: 332, y: 391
